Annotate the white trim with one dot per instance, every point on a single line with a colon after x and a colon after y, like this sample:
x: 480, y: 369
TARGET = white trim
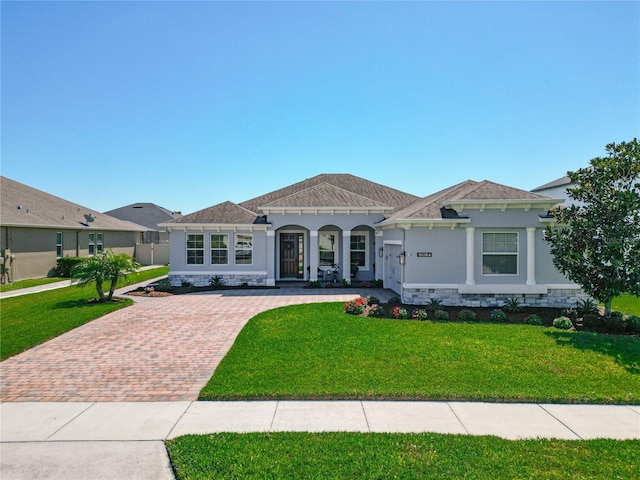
x: 437, y: 286
x: 336, y: 247
x: 216, y: 272
x: 392, y: 242
x: 367, y: 250
x: 471, y: 256
x: 215, y: 227
x: 306, y: 259
x: 186, y: 250
x: 236, y: 249
x: 407, y: 223
x: 461, y: 205
x: 531, y: 255
x: 219, y: 249
x: 503, y: 289
x: 323, y: 210
x: 483, y: 253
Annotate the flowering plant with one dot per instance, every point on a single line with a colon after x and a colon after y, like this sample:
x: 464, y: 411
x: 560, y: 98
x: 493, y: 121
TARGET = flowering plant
x: 373, y: 310
x: 563, y: 323
x: 400, y: 312
x: 357, y: 306
x: 420, y: 314
x: 148, y: 289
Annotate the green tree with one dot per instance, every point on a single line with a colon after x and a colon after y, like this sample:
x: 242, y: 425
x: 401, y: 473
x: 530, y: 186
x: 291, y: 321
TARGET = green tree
x: 104, y: 267
x: 597, y: 243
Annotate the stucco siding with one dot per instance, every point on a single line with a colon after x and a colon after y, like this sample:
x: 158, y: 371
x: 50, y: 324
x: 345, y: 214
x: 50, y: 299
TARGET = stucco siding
x: 447, y: 262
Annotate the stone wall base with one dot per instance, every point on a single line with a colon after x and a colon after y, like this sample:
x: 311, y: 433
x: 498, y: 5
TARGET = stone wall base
x: 450, y: 297
x: 234, y: 280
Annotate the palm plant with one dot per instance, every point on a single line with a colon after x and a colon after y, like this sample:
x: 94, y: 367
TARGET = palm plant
x: 103, y: 267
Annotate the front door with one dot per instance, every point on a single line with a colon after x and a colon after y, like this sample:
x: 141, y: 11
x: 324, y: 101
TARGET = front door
x: 392, y: 268
x: 291, y: 255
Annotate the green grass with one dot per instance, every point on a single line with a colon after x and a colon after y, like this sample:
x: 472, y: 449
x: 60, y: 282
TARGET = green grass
x: 406, y: 456
x: 28, y: 320
x: 627, y: 304
x: 32, y: 282
x: 316, y: 351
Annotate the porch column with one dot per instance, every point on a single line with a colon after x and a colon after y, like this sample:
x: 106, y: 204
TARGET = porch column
x: 314, y: 252
x: 531, y: 255
x: 346, y: 255
x: 377, y: 274
x: 271, y: 258
x: 471, y: 274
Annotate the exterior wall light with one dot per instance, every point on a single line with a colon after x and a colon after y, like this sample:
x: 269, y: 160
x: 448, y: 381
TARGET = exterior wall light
x: 402, y: 258
x: 381, y: 252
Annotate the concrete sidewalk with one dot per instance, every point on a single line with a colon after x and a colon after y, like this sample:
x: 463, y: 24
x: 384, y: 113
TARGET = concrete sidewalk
x: 117, y: 440
x: 65, y: 283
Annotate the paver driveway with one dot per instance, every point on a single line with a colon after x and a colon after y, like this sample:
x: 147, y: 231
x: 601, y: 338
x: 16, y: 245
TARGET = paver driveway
x: 159, y: 349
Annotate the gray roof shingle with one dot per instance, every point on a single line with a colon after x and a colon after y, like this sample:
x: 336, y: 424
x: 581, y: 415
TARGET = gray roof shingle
x: 26, y: 206
x: 222, y: 214
x: 325, y: 195
x: 148, y: 214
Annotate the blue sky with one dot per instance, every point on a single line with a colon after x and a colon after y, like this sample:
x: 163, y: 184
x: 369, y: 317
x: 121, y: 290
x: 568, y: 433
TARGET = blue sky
x: 188, y: 104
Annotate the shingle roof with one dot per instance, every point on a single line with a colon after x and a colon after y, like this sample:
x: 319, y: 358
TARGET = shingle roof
x: 29, y: 207
x: 556, y: 183
x: 365, y: 188
x: 223, y: 213
x: 325, y: 195
x: 430, y: 207
x: 148, y: 214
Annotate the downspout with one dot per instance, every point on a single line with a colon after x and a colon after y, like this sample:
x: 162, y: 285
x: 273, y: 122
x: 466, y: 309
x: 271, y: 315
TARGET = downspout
x: 77, y: 243
x: 404, y: 240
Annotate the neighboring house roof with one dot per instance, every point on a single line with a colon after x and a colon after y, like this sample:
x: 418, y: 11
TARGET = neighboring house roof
x: 560, y: 182
x: 24, y: 206
x: 148, y: 214
x: 325, y: 195
x: 445, y: 205
x: 359, y: 186
x: 222, y: 214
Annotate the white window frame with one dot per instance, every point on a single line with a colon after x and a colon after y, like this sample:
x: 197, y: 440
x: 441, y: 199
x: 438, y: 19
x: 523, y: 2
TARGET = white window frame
x: 219, y: 249
x: 516, y: 254
x: 336, y: 244
x: 59, y: 245
x: 367, y: 249
x: 236, y: 248
x: 195, y: 249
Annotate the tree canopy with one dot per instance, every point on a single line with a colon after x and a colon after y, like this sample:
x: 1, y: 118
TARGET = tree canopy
x: 105, y: 266
x: 597, y: 241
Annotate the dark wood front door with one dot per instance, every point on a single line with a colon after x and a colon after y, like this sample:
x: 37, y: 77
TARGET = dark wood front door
x: 291, y: 255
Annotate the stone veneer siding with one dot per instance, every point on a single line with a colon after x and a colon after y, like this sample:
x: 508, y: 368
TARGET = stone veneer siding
x: 554, y: 298
x: 229, y: 280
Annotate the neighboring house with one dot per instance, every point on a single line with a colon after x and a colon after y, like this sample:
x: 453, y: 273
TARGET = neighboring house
x: 557, y: 189
x: 37, y: 228
x: 149, y: 215
x: 476, y: 243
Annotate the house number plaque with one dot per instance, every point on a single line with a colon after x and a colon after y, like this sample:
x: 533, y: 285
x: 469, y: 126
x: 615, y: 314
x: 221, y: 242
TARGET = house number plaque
x: 424, y: 254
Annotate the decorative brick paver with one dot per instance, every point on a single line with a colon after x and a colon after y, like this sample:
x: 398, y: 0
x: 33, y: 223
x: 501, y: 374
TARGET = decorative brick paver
x: 159, y: 349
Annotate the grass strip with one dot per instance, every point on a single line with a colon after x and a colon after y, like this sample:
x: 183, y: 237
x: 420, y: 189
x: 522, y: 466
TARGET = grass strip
x: 29, y: 320
x: 315, y: 351
x: 406, y: 456
x: 627, y: 304
x: 31, y: 282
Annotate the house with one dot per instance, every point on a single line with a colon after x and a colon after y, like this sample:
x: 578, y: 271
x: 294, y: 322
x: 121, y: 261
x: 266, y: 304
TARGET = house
x: 149, y: 215
x: 37, y: 228
x: 473, y: 244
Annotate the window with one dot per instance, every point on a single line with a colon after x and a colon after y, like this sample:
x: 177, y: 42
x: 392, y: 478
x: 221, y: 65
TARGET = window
x: 244, y: 249
x: 96, y: 243
x: 359, y: 247
x: 59, y: 249
x: 327, y: 244
x: 99, y: 242
x: 499, y: 253
x: 195, y: 249
x: 219, y: 249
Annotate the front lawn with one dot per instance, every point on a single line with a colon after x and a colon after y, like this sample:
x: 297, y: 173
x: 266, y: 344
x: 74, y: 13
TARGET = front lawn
x: 31, y: 282
x: 627, y: 304
x: 316, y: 351
x: 407, y: 456
x: 32, y: 319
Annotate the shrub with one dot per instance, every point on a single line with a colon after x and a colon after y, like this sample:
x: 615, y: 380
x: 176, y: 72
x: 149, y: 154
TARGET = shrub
x: 216, y: 282
x: 65, y: 265
x: 373, y: 310
x: 366, y: 284
x: 614, y: 322
x: 533, y: 320
x: 373, y: 299
x: 440, y: 315
x: 186, y: 284
x: 587, y: 306
x: 163, y: 285
x: 572, y: 313
x: 512, y: 305
x: 378, y: 283
x: 563, y: 323
x: 314, y: 284
x: 593, y: 321
x: 356, y: 307
x: 498, y: 315
x: 434, y: 305
x: 420, y: 314
x: 345, y: 283
x: 467, y: 315
x: 633, y: 323
x: 399, y: 312
x: 395, y: 301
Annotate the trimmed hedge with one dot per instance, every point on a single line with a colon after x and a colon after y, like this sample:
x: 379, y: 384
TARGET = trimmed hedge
x: 65, y: 264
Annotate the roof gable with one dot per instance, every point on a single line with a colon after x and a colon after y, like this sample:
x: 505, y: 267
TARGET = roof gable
x: 356, y: 185
x: 429, y: 206
x: 29, y: 207
x: 148, y: 214
x: 324, y: 195
x: 486, y: 190
x: 222, y: 213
